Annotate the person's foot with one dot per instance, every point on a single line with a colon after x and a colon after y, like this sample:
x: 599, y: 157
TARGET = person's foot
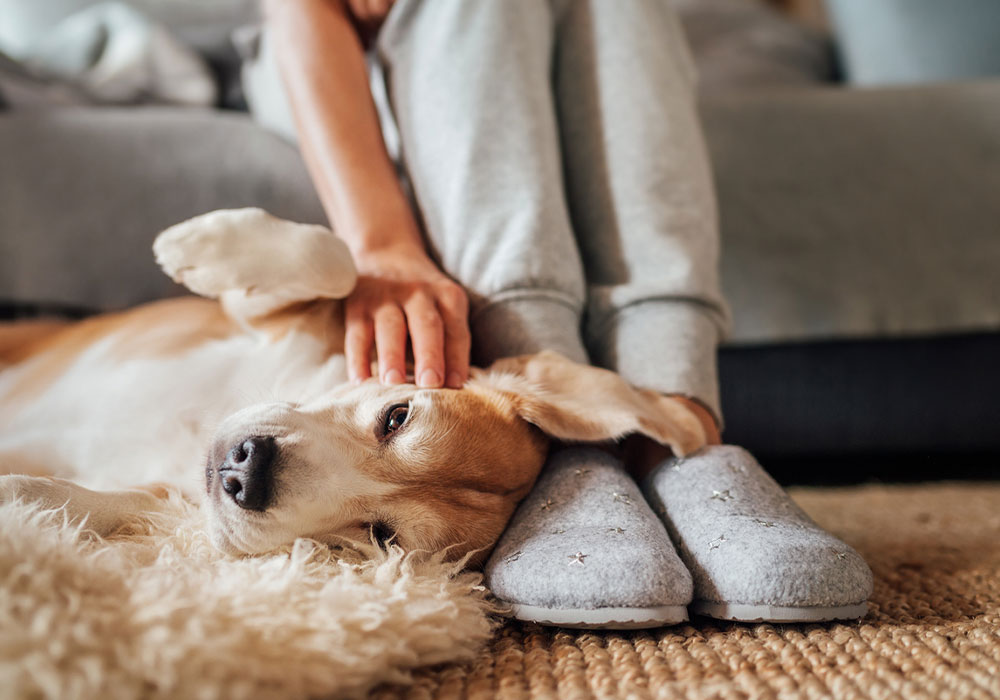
x: 753, y: 553
x: 585, y: 550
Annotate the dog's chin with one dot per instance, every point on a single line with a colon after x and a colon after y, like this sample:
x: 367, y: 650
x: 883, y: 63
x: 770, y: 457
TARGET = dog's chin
x: 222, y: 537
x: 240, y: 538
x: 222, y: 542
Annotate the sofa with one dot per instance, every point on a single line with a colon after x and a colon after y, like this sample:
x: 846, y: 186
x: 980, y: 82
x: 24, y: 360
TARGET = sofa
x: 860, y: 248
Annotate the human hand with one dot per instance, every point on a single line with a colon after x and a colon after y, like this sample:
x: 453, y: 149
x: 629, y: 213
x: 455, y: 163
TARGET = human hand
x: 369, y: 11
x: 401, y: 292
x: 368, y: 16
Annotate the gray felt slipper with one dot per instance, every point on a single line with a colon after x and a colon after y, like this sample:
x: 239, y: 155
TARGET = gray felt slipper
x: 585, y: 550
x: 753, y: 553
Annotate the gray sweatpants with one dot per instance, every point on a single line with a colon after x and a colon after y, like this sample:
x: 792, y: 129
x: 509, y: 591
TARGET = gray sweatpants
x: 555, y: 156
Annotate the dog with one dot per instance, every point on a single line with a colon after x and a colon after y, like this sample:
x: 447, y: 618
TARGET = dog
x: 240, y: 400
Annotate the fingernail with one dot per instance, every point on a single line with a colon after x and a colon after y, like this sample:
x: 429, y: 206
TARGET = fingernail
x: 455, y: 380
x: 429, y: 378
x: 392, y: 377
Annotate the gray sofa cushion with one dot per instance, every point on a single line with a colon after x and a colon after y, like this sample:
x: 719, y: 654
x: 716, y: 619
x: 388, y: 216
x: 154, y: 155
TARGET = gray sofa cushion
x: 745, y: 43
x: 859, y: 213
x: 83, y: 192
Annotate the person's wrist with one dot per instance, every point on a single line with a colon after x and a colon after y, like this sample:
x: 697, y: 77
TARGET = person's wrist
x: 390, y: 230
x: 381, y: 256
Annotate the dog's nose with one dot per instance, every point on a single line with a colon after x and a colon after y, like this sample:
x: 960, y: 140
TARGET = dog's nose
x: 246, y: 473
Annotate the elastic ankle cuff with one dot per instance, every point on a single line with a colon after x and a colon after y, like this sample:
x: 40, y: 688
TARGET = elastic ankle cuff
x: 666, y: 346
x: 523, y: 325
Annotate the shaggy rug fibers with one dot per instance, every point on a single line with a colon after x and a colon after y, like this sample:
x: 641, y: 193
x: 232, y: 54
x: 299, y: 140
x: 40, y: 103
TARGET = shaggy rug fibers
x: 933, y: 630
x: 158, y: 613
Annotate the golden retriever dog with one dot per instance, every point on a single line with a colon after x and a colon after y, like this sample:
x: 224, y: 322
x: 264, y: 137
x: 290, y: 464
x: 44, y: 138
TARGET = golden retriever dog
x: 241, y: 401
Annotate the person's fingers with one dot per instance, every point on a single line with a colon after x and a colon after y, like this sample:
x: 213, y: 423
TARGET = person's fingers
x: 378, y: 9
x: 454, y: 306
x: 359, y: 335
x: 390, y: 343
x: 427, y: 336
x: 358, y: 9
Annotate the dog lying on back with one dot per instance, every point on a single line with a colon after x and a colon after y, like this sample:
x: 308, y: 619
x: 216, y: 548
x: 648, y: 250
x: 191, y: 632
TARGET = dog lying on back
x: 243, y: 403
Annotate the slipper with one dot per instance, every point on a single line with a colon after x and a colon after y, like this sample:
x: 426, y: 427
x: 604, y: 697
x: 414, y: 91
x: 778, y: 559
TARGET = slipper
x: 584, y: 550
x: 753, y: 553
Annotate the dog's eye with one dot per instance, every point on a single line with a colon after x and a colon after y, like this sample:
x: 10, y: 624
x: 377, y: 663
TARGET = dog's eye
x: 395, y: 417
x: 381, y: 532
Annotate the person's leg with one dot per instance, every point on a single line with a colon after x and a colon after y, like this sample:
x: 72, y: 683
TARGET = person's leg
x: 641, y: 197
x: 469, y: 90
x: 640, y: 192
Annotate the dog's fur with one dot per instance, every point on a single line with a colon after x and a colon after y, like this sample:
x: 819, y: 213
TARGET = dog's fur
x: 162, y: 393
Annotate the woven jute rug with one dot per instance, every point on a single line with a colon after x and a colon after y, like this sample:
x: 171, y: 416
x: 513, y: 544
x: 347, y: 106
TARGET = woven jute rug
x: 933, y: 630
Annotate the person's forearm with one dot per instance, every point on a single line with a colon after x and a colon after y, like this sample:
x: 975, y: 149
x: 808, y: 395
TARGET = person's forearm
x: 324, y: 73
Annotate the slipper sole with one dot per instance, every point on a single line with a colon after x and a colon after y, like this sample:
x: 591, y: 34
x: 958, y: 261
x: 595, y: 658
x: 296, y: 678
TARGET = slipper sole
x: 739, y: 612
x: 601, y: 618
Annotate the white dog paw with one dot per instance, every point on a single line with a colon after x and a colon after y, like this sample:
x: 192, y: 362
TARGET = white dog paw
x: 50, y: 493
x: 250, y: 252
x: 12, y: 487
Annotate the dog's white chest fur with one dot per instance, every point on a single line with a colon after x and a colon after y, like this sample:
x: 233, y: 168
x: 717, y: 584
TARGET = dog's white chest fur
x: 155, y: 414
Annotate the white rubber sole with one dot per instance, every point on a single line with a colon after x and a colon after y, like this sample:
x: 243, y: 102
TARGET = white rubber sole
x: 775, y: 613
x: 601, y: 618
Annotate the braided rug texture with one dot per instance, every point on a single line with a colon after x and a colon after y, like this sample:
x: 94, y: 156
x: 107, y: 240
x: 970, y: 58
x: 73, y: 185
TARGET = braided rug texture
x: 932, y: 631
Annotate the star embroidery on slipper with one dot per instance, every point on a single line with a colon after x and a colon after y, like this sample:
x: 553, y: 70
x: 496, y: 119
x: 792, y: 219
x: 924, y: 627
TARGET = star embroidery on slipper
x: 560, y: 531
x: 717, y: 542
x: 577, y: 558
x: 621, y: 498
x: 581, y: 472
x: 513, y: 557
x: 737, y: 468
x: 616, y: 530
x: 763, y: 523
x: 841, y: 555
x: 548, y: 504
x: 722, y: 496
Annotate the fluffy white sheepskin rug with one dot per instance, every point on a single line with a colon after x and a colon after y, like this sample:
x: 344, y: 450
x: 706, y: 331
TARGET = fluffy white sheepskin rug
x: 160, y: 613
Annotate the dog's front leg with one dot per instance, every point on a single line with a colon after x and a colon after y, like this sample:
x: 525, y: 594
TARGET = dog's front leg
x: 255, y: 263
x: 103, y: 512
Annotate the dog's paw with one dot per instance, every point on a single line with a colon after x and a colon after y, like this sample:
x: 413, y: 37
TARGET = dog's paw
x: 101, y: 512
x: 46, y: 491
x: 14, y: 487
x: 251, y: 253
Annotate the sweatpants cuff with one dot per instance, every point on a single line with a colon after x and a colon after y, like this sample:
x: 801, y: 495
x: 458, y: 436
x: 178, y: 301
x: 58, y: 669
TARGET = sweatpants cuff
x: 525, y: 324
x: 667, y: 346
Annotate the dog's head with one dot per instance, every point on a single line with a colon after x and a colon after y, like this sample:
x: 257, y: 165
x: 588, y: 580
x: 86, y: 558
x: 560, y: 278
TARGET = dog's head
x: 428, y: 469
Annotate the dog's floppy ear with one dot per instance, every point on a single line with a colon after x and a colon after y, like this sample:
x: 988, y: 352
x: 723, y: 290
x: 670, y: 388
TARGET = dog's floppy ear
x: 578, y: 403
